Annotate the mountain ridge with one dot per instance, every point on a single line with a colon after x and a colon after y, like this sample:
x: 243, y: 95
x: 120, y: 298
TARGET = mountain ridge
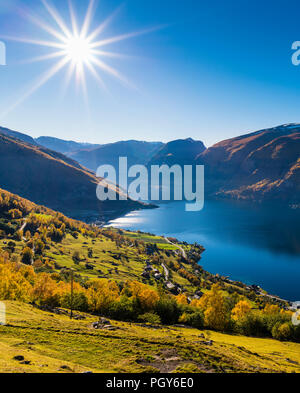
x: 258, y: 166
x: 254, y: 166
x: 51, y: 179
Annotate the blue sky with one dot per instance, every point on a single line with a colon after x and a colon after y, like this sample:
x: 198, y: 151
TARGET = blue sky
x: 216, y: 70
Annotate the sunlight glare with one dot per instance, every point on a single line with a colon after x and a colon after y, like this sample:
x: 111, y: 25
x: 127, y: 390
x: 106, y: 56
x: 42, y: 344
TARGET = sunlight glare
x: 78, y: 50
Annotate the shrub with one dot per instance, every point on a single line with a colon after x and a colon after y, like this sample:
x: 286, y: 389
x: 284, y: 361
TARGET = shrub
x: 123, y: 310
x: 253, y: 324
x: 79, y: 303
x: 282, y: 332
x: 76, y: 257
x: 296, y: 333
x: 27, y: 256
x: 150, y: 318
x: 194, y: 319
x: 168, y: 310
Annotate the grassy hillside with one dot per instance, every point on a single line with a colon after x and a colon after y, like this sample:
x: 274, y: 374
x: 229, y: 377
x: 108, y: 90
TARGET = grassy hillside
x: 54, y: 343
x: 153, y: 286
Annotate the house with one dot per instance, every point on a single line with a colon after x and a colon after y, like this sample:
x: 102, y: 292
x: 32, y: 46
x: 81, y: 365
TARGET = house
x: 170, y: 285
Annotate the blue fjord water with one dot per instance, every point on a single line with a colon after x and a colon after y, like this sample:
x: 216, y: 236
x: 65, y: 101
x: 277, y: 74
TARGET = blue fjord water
x: 254, y: 244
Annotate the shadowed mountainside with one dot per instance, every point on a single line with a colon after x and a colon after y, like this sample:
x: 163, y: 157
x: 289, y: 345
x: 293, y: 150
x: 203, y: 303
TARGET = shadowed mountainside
x: 178, y: 152
x: 18, y: 135
x: 63, y: 146
x: 137, y: 152
x: 51, y: 179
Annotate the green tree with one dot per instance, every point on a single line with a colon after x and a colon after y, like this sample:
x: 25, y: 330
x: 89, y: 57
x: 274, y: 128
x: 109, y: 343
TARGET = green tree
x: 27, y: 256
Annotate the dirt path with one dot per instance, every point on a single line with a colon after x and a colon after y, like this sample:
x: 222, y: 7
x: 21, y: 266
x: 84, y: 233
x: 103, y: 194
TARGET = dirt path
x: 183, y: 253
x: 166, y: 271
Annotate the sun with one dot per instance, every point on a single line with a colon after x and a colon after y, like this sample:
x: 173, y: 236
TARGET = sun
x: 78, y: 49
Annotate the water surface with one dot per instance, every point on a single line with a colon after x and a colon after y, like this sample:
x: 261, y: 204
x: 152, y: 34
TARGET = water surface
x: 256, y: 245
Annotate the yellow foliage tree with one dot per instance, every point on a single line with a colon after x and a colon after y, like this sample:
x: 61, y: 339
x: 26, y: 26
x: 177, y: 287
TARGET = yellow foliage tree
x: 182, y: 299
x: 45, y: 290
x: 146, y: 296
x: 241, y: 309
x: 13, y: 285
x: 271, y: 309
x: 101, y: 294
x: 214, y: 307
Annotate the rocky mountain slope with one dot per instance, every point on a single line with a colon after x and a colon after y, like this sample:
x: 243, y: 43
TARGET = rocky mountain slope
x: 264, y: 165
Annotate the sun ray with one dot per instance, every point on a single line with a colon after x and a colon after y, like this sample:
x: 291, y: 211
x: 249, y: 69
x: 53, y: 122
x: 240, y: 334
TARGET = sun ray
x: 25, y: 40
x: 43, y: 58
x: 58, y: 19
x: 77, y: 47
x: 123, y: 37
x: 73, y: 18
x: 67, y: 79
x: 96, y: 75
x: 103, y: 25
x: 44, y: 79
x: 111, y: 71
x: 88, y: 19
x: 84, y: 90
x: 43, y: 25
x: 109, y: 54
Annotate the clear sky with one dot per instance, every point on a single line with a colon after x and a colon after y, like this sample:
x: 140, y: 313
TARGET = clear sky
x: 215, y: 70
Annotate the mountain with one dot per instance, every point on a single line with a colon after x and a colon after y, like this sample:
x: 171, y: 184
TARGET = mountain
x: 137, y: 152
x: 181, y: 152
x: 51, y: 179
x: 18, y: 135
x: 63, y: 146
x: 264, y: 165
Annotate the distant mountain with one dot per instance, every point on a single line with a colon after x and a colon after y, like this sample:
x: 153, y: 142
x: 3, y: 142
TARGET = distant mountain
x: 137, y: 152
x: 264, y: 165
x: 18, y: 135
x: 181, y: 152
x: 51, y: 179
x: 63, y: 146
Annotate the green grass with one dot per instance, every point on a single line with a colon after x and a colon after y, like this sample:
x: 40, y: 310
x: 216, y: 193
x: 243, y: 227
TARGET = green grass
x: 108, y: 260
x: 53, y: 343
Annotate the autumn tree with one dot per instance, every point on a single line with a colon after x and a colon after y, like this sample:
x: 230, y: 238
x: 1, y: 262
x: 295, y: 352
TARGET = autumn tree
x: 27, y: 256
x: 13, y: 284
x: 45, y: 290
x: 214, y: 306
x: 241, y: 309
